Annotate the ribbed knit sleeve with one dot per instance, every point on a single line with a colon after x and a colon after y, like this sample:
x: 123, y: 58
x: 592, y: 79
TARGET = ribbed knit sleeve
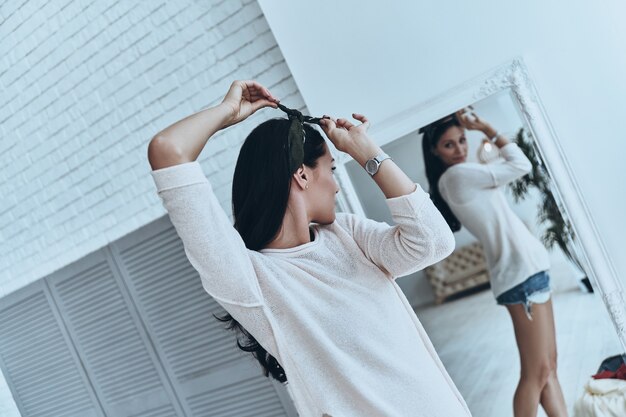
x: 458, y: 178
x: 516, y: 165
x: 212, y: 245
x: 421, y: 236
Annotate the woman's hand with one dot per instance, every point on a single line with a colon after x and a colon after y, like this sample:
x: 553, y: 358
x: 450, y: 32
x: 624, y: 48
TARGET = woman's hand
x: 473, y: 122
x: 354, y: 140
x: 244, y: 98
x: 350, y: 138
x: 343, y: 134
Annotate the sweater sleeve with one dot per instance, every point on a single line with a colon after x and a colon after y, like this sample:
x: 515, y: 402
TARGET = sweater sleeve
x: 211, y: 243
x: 459, y: 183
x: 515, y: 166
x: 421, y: 236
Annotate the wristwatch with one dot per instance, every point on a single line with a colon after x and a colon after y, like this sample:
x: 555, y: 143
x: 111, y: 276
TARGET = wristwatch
x: 372, y: 165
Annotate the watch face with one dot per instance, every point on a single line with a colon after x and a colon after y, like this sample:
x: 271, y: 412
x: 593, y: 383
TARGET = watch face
x: 371, y: 166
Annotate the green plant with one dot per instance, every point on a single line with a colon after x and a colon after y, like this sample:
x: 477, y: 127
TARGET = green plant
x: 558, y: 230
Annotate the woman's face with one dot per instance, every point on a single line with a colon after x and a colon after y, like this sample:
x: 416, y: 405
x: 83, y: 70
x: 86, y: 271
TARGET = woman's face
x: 322, y: 190
x: 452, y: 146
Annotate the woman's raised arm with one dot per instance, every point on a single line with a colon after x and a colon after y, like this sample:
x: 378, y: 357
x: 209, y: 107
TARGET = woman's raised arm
x: 353, y: 140
x: 184, y: 140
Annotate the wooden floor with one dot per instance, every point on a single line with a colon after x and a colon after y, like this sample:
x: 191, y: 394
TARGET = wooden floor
x: 475, y: 340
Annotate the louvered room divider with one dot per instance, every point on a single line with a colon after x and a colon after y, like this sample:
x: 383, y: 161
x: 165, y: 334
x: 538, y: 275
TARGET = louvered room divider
x: 129, y: 331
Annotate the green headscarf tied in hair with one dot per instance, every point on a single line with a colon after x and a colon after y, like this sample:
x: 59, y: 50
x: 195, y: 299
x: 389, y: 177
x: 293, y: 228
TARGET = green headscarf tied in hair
x: 297, y: 136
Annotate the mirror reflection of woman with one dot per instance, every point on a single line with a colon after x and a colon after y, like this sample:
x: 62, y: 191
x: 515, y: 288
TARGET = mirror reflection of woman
x: 314, y: 290
x: 471, y: 195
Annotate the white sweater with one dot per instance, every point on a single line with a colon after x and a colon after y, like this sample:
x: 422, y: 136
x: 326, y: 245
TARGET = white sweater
x: 474, y: 193
x: 329, y: 311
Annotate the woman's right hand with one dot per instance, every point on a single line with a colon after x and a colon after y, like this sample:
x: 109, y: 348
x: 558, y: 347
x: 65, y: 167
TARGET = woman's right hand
x: 244, y: 98
x: 474, y: 122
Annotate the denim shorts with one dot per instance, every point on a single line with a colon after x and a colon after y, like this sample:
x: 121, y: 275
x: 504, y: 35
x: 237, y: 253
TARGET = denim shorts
x: 535, y: 289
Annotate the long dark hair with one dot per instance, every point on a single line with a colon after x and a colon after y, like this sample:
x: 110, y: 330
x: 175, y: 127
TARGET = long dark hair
x: 435, y: 166
x: 261, y: 187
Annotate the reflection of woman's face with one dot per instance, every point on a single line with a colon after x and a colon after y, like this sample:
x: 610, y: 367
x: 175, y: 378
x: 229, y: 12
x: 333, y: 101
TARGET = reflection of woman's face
x: 452, y: 146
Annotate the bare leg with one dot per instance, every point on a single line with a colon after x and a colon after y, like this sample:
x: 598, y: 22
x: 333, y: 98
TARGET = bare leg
x: 552, y: 399
x: 536, y: 342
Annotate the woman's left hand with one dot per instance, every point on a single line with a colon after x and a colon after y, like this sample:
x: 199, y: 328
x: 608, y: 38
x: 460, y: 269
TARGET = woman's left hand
x: 346, y: 136
x: 473, y: 122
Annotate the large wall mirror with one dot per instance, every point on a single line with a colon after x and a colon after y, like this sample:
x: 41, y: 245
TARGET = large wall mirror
x: 472, y: 334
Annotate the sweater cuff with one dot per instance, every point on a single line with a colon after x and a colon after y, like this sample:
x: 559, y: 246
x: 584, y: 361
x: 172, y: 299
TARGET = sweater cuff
x: 179, y: 175
x: 409, y: 204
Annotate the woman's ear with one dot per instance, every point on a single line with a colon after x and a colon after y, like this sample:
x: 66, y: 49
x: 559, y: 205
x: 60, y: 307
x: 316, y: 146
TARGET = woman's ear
x: 301, y: 177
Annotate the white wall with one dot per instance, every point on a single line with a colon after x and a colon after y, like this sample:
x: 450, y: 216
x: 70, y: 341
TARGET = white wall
x: 84, y: 90
x: 379, y: 59
x: 85, y: 85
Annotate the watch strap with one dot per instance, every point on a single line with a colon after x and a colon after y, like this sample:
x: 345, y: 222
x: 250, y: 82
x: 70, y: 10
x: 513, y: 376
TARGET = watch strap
x: 378, y: 159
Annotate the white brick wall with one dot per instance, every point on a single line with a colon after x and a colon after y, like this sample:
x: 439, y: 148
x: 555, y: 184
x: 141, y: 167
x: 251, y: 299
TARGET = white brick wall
x: 85, y: 85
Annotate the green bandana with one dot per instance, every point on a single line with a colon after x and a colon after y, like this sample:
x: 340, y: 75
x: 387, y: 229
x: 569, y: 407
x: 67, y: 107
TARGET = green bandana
x: 297, y: 136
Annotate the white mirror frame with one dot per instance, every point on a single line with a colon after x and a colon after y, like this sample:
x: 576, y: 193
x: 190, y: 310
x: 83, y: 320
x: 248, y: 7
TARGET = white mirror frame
x: 513, y: 76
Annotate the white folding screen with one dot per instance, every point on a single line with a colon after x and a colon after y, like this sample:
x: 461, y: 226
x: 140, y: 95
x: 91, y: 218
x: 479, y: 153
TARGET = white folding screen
x: 110, y: 340
x: 129, y: 331
x: 210, y: 375
x: 37, y: 358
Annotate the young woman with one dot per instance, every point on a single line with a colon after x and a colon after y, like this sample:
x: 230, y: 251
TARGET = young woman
x: 470, y: 194
x: 315, y: 290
